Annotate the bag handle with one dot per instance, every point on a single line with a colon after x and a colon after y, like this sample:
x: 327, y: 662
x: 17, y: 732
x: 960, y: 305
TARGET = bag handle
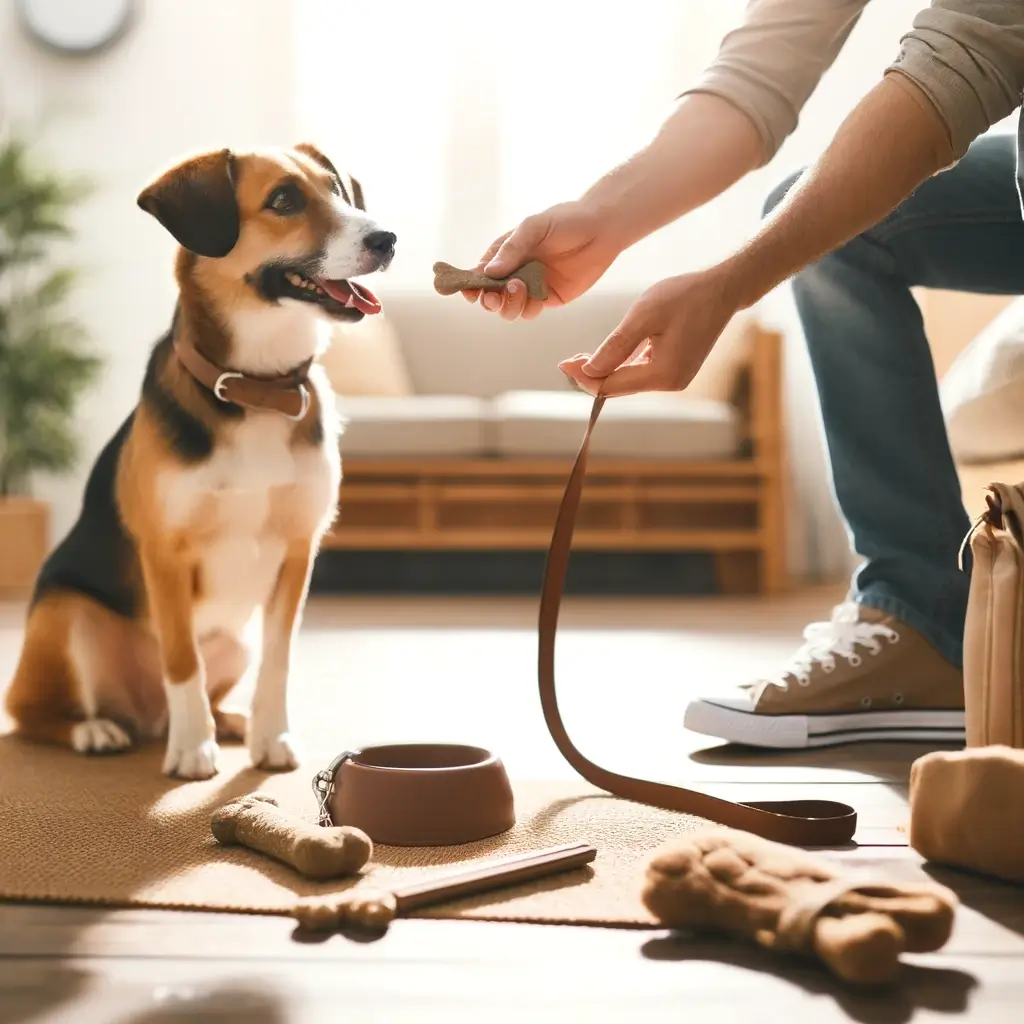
x: 796, y: 822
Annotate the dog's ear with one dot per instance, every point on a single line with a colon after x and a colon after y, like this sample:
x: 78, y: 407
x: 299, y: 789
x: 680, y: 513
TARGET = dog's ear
x: 350, y: 188
x: 196, y: 202
x: 357, y: 195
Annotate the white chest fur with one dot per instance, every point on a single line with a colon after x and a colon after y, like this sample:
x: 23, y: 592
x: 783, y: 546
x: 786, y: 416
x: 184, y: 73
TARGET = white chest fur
x: 244, y: 506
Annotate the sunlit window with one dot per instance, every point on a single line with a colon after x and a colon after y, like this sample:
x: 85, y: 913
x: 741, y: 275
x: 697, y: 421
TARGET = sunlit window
x: 461, y: 118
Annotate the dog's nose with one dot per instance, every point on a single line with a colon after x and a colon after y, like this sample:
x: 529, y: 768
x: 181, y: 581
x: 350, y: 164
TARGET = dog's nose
x: 380, y: 243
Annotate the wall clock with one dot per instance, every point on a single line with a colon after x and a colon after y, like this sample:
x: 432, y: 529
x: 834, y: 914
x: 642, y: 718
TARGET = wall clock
x: 76, y: 27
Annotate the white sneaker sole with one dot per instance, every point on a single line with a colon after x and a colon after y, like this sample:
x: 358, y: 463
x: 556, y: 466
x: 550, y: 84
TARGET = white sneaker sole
x: 788, y: 732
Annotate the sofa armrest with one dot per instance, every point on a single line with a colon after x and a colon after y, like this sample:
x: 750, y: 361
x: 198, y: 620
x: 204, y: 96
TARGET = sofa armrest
x: 757, y: 395
x: 757, y: 392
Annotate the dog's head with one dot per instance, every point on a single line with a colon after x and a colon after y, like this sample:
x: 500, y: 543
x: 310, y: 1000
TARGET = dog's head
x: 284, y: 223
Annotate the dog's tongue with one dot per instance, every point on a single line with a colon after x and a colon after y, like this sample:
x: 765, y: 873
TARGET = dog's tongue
x: 348, y: 293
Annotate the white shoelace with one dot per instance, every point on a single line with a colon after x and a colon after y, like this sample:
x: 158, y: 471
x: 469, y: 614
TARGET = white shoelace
x: 840, y: 637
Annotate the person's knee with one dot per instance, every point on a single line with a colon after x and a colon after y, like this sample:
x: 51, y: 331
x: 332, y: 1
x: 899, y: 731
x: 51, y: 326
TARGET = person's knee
x: 778, y: 193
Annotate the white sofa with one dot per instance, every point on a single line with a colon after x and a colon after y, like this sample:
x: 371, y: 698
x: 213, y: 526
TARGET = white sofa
x: 462, y: 383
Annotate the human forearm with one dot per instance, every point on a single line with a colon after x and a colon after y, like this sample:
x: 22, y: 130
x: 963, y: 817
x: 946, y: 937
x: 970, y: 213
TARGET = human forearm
x: 703, y: 147
x: 891, y: 142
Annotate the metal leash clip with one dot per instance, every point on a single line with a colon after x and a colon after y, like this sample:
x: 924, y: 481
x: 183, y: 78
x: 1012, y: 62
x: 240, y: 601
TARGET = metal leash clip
x: 323, y: 787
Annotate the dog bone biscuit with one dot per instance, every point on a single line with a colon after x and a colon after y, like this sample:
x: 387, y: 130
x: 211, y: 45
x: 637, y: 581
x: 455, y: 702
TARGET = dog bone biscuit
x: 448, y: 280
x: 786, y: 900
x: 256, y: 822
x: 365, y: 909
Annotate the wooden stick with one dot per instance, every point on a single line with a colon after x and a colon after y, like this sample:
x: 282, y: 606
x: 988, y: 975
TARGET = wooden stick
x: 523, y: 867
x: 376, y: 909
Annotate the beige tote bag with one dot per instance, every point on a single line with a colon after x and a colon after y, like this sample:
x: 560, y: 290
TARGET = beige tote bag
x: 994, y: 630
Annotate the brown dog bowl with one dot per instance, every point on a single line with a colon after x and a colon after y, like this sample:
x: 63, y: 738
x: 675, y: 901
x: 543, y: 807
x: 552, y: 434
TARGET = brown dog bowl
x: 422, y: 794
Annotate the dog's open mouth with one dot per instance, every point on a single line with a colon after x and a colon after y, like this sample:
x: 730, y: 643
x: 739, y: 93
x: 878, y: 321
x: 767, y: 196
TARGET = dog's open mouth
x: 343, y: 299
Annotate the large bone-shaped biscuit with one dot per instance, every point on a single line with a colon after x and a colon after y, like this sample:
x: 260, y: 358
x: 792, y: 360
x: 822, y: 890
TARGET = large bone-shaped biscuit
x: 725, y: 881
x: 256, y: 822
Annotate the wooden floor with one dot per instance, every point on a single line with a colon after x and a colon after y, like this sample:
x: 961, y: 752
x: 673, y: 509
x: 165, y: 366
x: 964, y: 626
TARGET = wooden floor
x: 466, y: 669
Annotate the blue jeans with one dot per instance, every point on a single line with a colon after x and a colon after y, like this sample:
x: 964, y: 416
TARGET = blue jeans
x: 893, y: 475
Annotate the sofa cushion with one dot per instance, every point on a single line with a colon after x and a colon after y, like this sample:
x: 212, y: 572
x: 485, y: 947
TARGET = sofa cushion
x: 433, y: 425
x: 983, y: 392
x: 647, y: 426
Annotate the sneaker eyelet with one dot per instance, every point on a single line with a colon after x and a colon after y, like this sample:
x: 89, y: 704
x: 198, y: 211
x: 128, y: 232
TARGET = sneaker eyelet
x: 855, y: 660
x: 865, y: 702
x: 803, y: 682
x: 828, y: 668
x: 895, y: 638
x: 897, y: 698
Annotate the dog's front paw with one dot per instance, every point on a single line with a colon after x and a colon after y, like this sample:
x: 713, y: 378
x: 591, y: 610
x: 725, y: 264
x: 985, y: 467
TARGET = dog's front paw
x: 192, y: 761
x: 277, y: 752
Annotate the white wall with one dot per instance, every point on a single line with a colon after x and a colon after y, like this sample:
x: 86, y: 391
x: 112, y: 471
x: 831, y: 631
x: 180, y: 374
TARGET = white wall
x: 193, y: 74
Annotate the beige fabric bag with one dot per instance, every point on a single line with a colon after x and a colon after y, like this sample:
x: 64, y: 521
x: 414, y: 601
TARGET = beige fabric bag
x: 994, y: 630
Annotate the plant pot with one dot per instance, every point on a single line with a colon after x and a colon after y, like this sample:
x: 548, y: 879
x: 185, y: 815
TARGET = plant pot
x: 24, y: 543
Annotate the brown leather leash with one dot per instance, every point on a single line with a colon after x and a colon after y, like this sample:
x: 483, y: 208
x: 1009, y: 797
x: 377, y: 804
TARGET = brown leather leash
x: 796, y: 822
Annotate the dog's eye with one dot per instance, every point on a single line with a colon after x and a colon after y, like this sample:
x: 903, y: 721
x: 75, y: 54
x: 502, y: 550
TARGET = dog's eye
x: 286, y: 199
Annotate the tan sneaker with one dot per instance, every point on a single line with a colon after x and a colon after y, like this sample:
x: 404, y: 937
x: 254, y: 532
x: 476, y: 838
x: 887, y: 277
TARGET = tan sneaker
x: 864, y: 675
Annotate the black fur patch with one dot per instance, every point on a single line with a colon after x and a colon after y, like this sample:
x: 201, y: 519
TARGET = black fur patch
x: 96, y: 558
x: 316, y: 430
x: 186, y: 434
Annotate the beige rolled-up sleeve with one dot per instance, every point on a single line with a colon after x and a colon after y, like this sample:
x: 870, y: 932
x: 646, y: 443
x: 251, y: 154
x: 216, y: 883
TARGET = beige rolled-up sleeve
x: 771, y: 63
x: 967, y: 57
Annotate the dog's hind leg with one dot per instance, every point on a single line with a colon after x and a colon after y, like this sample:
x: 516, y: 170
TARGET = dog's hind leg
x: 54, y: 697
x: 227, y: 660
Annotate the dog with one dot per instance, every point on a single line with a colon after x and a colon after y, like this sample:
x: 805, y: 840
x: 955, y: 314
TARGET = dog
x: 203, y: 513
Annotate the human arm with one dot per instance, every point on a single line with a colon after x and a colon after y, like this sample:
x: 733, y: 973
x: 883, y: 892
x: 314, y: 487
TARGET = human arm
x: 730, y: 122
x: 703, y: 147
x: 917, y: 121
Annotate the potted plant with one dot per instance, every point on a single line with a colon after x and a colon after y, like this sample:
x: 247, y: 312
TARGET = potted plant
x: 44, y: 362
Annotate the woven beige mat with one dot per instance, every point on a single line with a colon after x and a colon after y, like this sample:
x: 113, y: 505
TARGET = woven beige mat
x: 115, y: 831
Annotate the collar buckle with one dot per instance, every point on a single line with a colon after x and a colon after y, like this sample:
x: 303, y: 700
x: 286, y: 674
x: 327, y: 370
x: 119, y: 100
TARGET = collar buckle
x: 218, y: 384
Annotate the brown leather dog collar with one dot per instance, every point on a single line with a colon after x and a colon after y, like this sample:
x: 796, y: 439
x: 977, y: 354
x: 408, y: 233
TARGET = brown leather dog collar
x: 286, y: 393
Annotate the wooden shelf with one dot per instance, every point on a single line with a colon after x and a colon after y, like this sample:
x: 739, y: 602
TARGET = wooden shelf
x: 532, y: 540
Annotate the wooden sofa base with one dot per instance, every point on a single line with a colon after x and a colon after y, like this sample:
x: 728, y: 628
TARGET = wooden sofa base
x: 505, y: 504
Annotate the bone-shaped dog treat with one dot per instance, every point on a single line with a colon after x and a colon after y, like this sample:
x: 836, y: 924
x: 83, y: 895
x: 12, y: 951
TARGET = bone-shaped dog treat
x: 363, y: 909
x: 255, y: 821
x: 448, y: 280
x: 375, y: 910
x: 722, y: 880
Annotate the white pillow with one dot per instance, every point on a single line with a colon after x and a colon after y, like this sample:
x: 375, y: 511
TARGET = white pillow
x: 982, y: 393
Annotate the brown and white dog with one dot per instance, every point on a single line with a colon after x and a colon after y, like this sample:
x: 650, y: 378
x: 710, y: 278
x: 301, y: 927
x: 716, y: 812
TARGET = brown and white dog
x: 208, y: 505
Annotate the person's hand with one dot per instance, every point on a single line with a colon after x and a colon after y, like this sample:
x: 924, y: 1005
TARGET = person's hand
x: 661, y: 342
x: 568, y: 239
